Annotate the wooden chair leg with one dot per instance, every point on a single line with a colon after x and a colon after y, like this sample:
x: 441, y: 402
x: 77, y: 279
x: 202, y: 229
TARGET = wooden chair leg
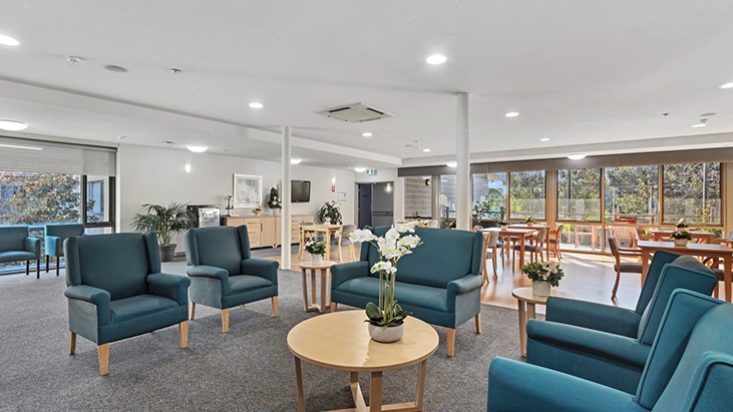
x: 225, y: 320
x: 451, y: 333
x: 72, y: 343
x: 477, y: 319
x: 193, y: 311
x: 103, y: 359
x: 275, y: 311
x: 334, y: 306
x: 615, y: 285
x: 493, y: 264
x: 183, y: 328
x: 58, y: 265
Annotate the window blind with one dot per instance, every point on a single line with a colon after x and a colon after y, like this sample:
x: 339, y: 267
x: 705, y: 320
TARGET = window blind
x: 28, y: 155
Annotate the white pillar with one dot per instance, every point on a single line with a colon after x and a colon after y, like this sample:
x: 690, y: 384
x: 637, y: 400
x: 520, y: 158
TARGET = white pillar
x: 285, y: 198
x: 463, y: 167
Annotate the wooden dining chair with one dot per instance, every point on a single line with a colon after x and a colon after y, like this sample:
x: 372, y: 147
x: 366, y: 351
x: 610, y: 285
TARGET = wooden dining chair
x: 621, y: 266
x: 490, y: 253
x: 553, y: 241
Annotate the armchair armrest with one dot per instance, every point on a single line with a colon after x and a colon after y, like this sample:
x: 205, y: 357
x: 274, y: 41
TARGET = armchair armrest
x: 465, y: 284
x: 96, y: 296
x: 347, y: 271
x: 517, y: 386
x: 33, y: 245
x: 54, y: 246
x: 169, y: 286
x: 210, y: 272
x: 261, y: 267
x: 590, y: 315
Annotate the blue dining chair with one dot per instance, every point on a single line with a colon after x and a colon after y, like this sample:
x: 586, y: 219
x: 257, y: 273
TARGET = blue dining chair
x: 55, y: 236
x: 17, y: 245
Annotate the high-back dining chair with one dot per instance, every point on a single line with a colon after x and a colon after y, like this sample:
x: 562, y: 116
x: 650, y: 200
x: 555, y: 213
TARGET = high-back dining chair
x: 55, y: 236
x: 623, y: 266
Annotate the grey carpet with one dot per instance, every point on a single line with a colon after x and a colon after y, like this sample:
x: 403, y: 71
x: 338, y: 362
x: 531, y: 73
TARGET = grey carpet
x: 248, y: 369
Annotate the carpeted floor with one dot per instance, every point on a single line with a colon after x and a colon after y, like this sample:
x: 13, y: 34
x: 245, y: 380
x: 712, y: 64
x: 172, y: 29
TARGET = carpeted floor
x: 248, y: 369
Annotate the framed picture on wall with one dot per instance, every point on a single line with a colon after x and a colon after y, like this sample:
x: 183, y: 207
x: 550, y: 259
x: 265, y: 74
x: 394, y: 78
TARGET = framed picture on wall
x: 247, y: 191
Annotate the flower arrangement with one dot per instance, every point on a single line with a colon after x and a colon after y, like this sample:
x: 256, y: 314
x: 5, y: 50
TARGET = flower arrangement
x: 550, y: 272
x: 398, y: 242
x: 316, y: 247
x: 529, y: 221
x: 330, y: 213
x: 274, y: 201
x: 681, y: 236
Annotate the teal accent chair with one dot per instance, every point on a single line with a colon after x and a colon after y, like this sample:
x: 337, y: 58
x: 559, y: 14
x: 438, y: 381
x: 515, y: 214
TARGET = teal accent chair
x: 690, y: 368
x: 116, y: 291
x: 17, y: 245
x: 55, y: 236
x: 223, y: 274
x: 606, y: 344
x: 440, y: 282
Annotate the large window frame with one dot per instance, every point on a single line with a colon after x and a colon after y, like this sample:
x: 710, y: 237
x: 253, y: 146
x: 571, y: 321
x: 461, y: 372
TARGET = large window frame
x: 601, y: 198
x: 110, y: 205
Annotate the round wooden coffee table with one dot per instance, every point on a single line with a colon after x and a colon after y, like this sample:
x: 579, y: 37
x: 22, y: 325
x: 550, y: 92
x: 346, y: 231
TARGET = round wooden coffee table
x: 526, y: 301
x: 341, y: 341
x: 323, y: 267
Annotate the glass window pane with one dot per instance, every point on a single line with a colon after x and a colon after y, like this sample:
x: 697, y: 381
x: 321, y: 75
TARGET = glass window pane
x: 579, y: 194
x: 489, y: 196
x: 39, y: 198
x: 98, y: 199
x: 631, y: 194
x: 527, y: 194
x: 447, y: 200
x: 692, y: 191
x: 418, y: 192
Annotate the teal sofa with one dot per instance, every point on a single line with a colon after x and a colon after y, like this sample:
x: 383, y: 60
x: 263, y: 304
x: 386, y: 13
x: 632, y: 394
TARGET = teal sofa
x: 116, y: 291
x: 222, y: 272
x: 690, y: 368
x: 55, y: 236
x: 439, y: 282
x: 607, y: 344
x: 17, y: 245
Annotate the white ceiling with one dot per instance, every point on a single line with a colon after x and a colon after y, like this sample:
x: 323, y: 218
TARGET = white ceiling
x: 580, y: 72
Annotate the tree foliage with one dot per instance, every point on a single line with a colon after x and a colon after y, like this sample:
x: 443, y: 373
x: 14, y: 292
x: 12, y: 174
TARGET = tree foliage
x: 35, y: 198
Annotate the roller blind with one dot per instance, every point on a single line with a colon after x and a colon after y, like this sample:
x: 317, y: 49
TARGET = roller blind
x: 40, y: 156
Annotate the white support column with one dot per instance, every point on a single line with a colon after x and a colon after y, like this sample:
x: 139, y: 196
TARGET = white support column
x: 285, y: 198
x: 463, y: 168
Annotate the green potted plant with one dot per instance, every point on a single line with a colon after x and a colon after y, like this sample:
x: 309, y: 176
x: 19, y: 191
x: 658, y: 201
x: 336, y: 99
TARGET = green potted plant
x: 316, y: 249
x: 330, y: 214
x: 681, y: 236
x: 273, y: 201
x: 543, y: 276
x: 386, y: 317
x: 165, y: 222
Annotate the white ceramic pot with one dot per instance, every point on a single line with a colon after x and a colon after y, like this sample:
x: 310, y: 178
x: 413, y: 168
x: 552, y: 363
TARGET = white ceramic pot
x: 386, y: 335
x: 316, y: 259
x: 680, y: 242
x: 540, y: 288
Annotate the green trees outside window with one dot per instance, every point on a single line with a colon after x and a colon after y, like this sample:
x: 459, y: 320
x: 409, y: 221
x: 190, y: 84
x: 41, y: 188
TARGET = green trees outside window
x: 692, y: 192
x: 527, y: 194
x: 579, y: 194
x: 632, y: 193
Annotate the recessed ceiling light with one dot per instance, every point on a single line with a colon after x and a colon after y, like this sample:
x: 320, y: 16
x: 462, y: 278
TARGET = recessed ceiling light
x: 197, y: 149
x: 452, y: 164
x: 360, y: 169
x: 436, y: 59
x: 18, y: 146
x: 696, y: 125
x: 367, y: 134
x: 727, y: 86
x: 576, y: 156
x: 545, y: 139
x: 12, y: 125
x: 295, y: 161
x: 115, y: 68
x: 426, y: 150
x: 6, y: 40
x: 256, y: 105
x: 511, y: 114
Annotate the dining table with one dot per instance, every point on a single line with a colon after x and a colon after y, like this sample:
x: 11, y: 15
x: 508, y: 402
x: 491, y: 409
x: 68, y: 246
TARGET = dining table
x: 511, y: 235
x: 546, y: 241
x: 702, y: 250
x: 701, y: 235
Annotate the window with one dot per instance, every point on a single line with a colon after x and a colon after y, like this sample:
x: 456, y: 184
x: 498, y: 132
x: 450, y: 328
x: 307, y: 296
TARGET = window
x: 631, y: 194
x: 579, y: 194
x: 527, y: 194
x: 98, y: 200
x: 418, y: 194
x: 692, y: 192
x: 448, y: 197
x: 39, y: 198
x: 489, y: 195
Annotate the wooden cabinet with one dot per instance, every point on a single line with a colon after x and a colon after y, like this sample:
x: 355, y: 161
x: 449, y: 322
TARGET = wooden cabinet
x: 264, y: 231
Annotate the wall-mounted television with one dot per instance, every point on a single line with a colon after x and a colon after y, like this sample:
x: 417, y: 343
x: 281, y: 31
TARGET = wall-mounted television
x: 300, y: 191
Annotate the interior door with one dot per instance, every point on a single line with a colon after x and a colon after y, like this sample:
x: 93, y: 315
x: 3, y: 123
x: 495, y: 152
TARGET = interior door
x: 383, y: 204
x: 365, y: 204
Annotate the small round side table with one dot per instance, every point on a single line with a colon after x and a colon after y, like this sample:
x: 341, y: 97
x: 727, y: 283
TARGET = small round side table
x: 323, y: 267
x: 526, y: 302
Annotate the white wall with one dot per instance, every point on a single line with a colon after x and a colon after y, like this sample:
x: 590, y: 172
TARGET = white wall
x: 156, y: 175
x: 398, y: 184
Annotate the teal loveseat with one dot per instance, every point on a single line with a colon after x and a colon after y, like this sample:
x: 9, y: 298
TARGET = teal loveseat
x: 17, y: 245
x: 55, y: 235
x: 439, y: 282
x: 117, y: 291
x: 690, y: 368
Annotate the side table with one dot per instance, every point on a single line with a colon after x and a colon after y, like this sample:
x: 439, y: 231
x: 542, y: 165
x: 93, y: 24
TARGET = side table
x: 526, y: 301
x: 322, y: 267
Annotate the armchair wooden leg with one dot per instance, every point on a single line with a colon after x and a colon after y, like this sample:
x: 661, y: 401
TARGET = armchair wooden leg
x: 275, y: 311
x: 103, y: 359
x: 72, y: 343
x: 334, y: 305
x: 192, y: 311
x: 478, y: 323
x: 451, y: 341
x: 183, y: 328
x: 225, y: 320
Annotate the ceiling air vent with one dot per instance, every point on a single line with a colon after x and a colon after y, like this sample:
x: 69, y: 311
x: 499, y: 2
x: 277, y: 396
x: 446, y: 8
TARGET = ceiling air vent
x: 356, y: 113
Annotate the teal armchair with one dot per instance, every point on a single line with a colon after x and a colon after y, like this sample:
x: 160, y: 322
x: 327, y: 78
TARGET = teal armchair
x: 116, y: 291
x: 440, y: 282
x: 606, y: 344
x: 55, y: 236
x: 223, y: 274
x: 17, y: 245
x: 690, y: 368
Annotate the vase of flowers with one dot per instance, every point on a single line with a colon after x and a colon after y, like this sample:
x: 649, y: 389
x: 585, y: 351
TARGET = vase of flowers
x: 316, y: 249
x: 529, y: 221
x: 386, y: 317
x: 543, y: 276
x: 273, y: 202
x: 681, y: 236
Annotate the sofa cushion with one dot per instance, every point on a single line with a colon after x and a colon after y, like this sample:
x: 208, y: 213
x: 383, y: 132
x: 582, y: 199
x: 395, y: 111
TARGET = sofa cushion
x: 409, y: 294
x: 16, y: 256
x: 219, y: 247
x: 137, y: 306
x: 243, y: 283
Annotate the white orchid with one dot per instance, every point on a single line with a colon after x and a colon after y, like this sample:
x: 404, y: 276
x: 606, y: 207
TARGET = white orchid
x: 409, y: 242
x: 384, y: 266
x: 406, y: 227
x: 359, y: 236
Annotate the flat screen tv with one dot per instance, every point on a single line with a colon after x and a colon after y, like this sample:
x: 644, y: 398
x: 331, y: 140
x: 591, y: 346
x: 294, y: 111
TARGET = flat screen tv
x: 300, y: 191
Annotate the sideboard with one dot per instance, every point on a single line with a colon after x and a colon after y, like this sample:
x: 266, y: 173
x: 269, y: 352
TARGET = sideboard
x: 264, y: 231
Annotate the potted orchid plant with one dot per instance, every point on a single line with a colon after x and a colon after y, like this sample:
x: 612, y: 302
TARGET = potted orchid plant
x: 543, y: 276
x: 681, y: 236
x: 386, y: 317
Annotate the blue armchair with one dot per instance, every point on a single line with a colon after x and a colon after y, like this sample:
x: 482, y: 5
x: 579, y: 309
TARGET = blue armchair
x: 690, y: 367
x: 55, y: 236
x: 17, y: 245
x: 223, y: 275
x: 440, y: 282
x: 116, y: 291
x: 610, y: 345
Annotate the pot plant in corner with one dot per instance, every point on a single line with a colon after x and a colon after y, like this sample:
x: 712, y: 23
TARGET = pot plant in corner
x: 330, y: 214
x: 274, y: 200
x: 386, y: 317
x: 316, y: 249
x: 165, y: 222
x: 681, y: 236
x: 543, y: 276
